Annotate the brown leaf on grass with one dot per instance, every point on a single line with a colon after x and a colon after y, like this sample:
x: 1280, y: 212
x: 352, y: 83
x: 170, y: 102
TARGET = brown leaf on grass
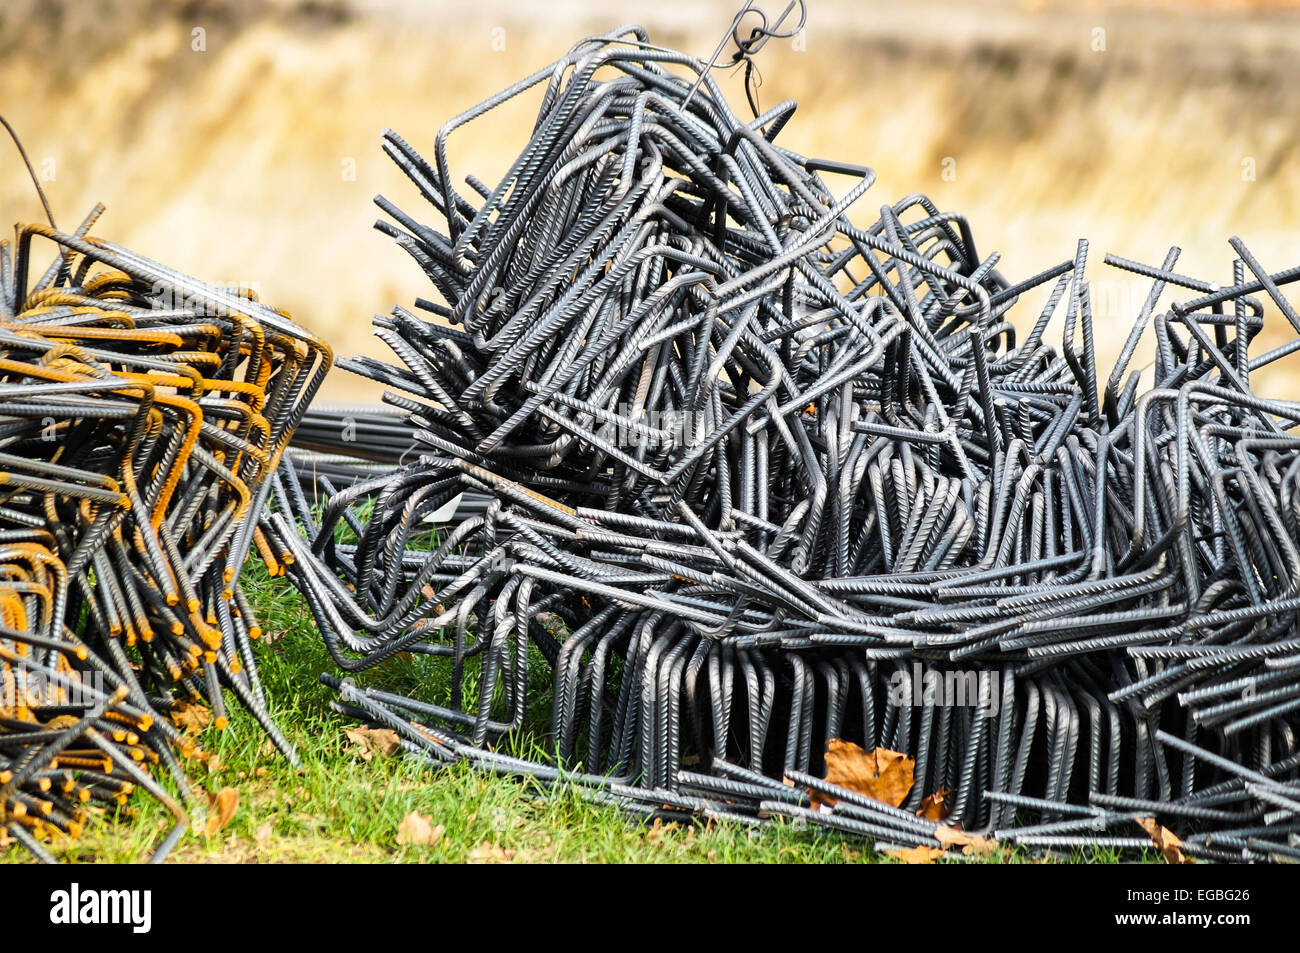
x: 190, y: 751
x: 1170, y: 847
x: 486, y: 853
x: 221, y: 808
x: 658, y: 829
x: 263, y: 833
x: 969, y: 843
x: 933, y: 808
x: 416, y: 831
x: 916, y: 855
x: 372, y: 741
x: 880, y: 773
x: 192, y: 718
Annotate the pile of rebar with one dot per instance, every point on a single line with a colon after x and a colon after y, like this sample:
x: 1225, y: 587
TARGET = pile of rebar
x: 142, y: 413
x: 733, y: 477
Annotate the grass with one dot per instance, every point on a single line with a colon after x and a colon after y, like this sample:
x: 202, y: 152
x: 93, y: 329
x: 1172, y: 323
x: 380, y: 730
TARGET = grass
x: 341, y: 807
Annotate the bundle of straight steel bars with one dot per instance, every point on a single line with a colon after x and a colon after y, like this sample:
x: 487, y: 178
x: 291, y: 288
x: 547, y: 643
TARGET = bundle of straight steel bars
x: 141, y: 415
x: 734, y: 477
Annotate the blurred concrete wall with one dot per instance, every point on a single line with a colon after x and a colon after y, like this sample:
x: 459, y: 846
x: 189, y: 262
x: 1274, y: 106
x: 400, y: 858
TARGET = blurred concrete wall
x: 239, y: 140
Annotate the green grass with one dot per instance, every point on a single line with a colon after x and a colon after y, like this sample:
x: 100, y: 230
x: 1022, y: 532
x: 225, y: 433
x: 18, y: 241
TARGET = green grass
x: 342, y: 808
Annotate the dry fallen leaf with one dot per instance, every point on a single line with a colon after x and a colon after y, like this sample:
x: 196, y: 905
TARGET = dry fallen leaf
x: 263, y: 833
x: 933, y: 808
x: 658, y: 829
x: 1170, y: 847
x: 916, y: 855
x: 383, y: 741
x: 223, y: 806
x: 880, y: 773
x: 980, y: 847
x: 416, y: 831
x: 490, y: 854
x: 192, y: 718
x: 968, y: 842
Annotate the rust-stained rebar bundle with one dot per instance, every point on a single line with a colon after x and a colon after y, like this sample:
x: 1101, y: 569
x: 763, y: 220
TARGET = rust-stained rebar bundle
x: 142, y: 413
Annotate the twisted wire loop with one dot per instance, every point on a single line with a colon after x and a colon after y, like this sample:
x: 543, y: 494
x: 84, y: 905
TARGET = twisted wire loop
x: 688, y: 474
x: 142, y: 414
